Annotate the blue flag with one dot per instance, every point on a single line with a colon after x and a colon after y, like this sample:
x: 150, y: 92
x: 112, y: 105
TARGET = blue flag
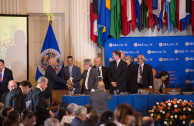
x: 50, y: 49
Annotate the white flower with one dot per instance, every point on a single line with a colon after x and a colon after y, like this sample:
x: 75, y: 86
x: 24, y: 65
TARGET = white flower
x: 191, y: 122
x: 175, y: 106
x: 165, y: 122
x: 163, y: 112
x: 184, y: 109
x: 169, y: 104
x: 171, y: 116
x: 157, y: 103
x: 175, y: 116
x: 152, y: 110
x: 178, y: 102
x: 189, y: 109
x: 183, y: 122
x: 160, y: 110
x: 152, y: 114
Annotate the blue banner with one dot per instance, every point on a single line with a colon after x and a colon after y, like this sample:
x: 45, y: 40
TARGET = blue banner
x: 172, y: 54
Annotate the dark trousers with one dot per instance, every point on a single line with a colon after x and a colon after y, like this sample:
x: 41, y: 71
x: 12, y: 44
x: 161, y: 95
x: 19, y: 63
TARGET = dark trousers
x: 140, y: 85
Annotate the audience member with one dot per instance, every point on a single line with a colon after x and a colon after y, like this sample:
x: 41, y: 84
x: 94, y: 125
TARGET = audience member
x: 117, y: 74
x: 89, y: 109
x: 102, y: 71
x: 51, y: 122
x: 147, y: 121
x: 99, y: 98
x: 124, y: 115
x: 15, y: 116
x: 138, y: 119
x: 161, y: 81
x: 106, y: 117
x: 11, y: 85
x: 80, y: 116
x: 38, y: 104
x: 72, y: 71
x: 4, y: 114
x: 15, y: 98
x: 144, y: 73
x: 70, y: 114
x: 28, y: 118
x: 92, y: 120
x: 62, y: 110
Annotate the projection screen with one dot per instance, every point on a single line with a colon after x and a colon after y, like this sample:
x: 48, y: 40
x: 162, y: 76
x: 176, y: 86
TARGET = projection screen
x: 14, y: 45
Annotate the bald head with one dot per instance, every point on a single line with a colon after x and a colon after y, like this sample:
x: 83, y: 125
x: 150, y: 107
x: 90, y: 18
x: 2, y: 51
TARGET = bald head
x: 100, y: 85
x: 12, y: 85
x: 53, y: 62
x: 122, y: 55
x: 147, y: 121
x: 97, y: 61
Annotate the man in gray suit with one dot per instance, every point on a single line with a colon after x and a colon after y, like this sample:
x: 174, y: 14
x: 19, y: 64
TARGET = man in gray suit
x: 99, y: 98
x: 89, y: 76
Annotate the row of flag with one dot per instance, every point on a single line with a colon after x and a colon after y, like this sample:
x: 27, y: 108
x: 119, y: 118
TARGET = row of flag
x: 115, y: 17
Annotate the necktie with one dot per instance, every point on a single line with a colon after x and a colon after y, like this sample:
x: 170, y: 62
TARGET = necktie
x: 140, y: 72
x: 70, y: 71
x: 84, y: 80
x: 98, y: 71
x: 1, y: 76
x: 116, y: 66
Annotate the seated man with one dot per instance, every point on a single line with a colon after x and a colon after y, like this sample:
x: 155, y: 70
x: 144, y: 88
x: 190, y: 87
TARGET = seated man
x: 99, y: 98
x: 80, y: 116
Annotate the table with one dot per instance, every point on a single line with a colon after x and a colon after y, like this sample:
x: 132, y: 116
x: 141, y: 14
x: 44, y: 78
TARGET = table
x: 141, y: 103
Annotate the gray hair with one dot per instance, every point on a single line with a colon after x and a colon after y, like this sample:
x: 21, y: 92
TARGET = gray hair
x: 80, y: 110
x: 71, y: 108
x: 51, y: 122
x: 130, y: 58
x: 88, y: 62
x: 142, y: 57
x: 42, y: 79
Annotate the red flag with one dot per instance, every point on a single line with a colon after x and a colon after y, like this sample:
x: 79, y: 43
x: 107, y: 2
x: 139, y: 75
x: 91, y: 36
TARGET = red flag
x: 192, y: 15
x: 124, y: 23
x: 133, y: 21
x: 150, y: 17
x: 179, y: 24
x: 93, y: 18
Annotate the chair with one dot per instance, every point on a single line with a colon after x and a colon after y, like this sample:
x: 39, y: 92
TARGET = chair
x: 57, y: 97
x: 166, y: 90
x: 147, y: 90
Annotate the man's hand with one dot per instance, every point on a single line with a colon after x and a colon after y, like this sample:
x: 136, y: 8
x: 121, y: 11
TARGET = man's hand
x: 69, y: 82
x: 114, y: 84
x: 70, y: 88
x: 51, y: 114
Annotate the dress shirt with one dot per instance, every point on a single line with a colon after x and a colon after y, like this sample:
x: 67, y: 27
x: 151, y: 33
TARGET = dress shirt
x: 87, y: 76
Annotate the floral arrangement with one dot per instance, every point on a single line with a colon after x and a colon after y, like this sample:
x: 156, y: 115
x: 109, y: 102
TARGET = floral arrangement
x: 172, y: 112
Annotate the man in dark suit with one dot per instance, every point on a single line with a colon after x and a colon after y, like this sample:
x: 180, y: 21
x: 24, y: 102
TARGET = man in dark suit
x: 117, y: 74
x: 15, y: 98
x: 102, y: 72
x: 89, y: 76
x: 144, y: 73
x: 80, y: 116
x: 38, y: 104
x: 72, y: 71
x: 52, y: 77
x: 5, y: 76
x: 99, y: 98
x: 11, y: 85
x: 130, y: 78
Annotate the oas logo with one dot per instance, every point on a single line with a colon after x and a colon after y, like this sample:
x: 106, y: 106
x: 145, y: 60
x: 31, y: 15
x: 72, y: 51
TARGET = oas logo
x: 135, y: 59
x: 186, y: 70
x: 110, y: 44
x: 110, y: 59
x: 126, y: 45
x: 187, y: 43
x: 160, y: 44
x: 160, y: 59
x: 135, y: 44
x: 186, y: 58
x: 44, y: 58
x: 187, y: 81
x: 176, y: 51
x: 149, y: 52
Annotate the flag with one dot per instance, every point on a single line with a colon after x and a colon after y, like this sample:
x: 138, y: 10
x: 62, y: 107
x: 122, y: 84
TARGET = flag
x: 173, y: 11
x: 164, y: 15
x: 115, y: 24
x: 138, y: 13
x: 184, y: 12
x: 93, y: 20
x: 167, y: 9
x: 192, y: 15
x: 49, y: 50
x: 158, y: 13
x: 179, y: 24
x: 133, y: 16
x: 144, y: 16
x: 155, y: 4
x: 125, y: 16
x: 150, y: 11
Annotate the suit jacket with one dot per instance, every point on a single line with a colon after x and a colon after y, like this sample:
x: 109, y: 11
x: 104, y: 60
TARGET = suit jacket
x: 99, y: 100
x: 15, y: 99
x: 147, y: 75
x: 3, y: 97
x: 87, y: 122
x: 105, y: 71
x: 38, y: 106
x: 156, y: 85
x: 76, y: 121
x: 75, y: 72
x: 130, y: 79
x: 118, y: 75
x: 6, y: 78
x: 53, y: 80
x: 92, y: 79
